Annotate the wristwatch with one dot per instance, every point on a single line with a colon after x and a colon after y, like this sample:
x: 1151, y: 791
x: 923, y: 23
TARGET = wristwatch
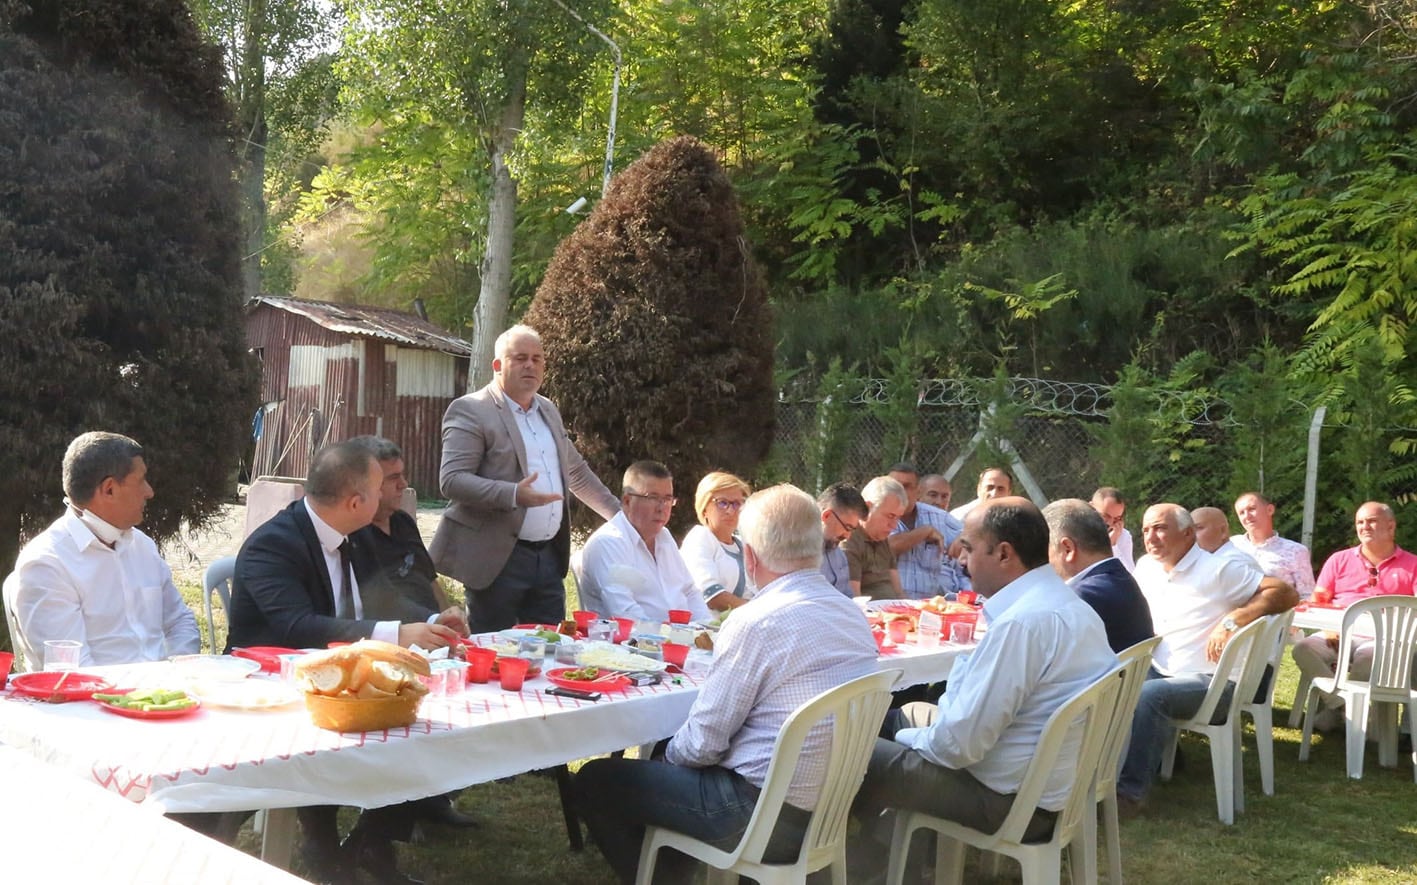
x: 1229, y: 624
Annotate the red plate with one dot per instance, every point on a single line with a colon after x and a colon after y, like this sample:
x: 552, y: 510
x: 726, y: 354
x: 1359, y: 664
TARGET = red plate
x: 556, y: 677
x: 268, y: 656
x: 900, y: 608
x: 76, y: 687
x: 150, y: 714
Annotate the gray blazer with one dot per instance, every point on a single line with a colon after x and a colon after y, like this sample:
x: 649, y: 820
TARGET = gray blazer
x: 483, y: 460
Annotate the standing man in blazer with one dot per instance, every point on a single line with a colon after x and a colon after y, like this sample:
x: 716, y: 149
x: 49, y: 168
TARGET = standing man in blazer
x: 1080, y: 551
x: 507, y: 466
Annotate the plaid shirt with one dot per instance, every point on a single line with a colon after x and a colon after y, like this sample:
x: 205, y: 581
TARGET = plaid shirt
x: 794, y: 640
x: 928, y: 570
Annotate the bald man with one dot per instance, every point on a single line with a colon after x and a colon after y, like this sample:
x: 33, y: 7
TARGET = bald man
x: 1197, y: 602
x: 1213, y: 535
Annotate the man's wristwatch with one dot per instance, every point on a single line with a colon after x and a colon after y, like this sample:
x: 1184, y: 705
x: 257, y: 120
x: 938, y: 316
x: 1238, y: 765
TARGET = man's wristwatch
x: 1229, y: 624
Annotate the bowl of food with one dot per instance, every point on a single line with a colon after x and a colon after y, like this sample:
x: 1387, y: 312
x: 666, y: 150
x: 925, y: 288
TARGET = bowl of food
x: 366, y: 686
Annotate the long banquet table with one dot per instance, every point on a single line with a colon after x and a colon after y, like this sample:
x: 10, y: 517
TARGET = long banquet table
x: 232, y: 760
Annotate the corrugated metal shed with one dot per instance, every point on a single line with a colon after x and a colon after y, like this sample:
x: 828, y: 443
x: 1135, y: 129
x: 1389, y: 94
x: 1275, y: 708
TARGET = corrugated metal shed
x: 333, y: 371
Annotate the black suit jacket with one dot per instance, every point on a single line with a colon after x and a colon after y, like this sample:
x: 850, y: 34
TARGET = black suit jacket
x: 1113, y: 593
x: 281, y: 593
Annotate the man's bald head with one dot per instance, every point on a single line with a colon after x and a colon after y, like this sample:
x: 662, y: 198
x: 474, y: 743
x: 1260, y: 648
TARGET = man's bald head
x: 1212, y: 528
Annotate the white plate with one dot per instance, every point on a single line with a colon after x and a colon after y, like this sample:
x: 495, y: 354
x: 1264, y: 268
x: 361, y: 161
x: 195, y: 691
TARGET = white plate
x: 250, y: 694
x: 613, y: 657
x: 215, y: 668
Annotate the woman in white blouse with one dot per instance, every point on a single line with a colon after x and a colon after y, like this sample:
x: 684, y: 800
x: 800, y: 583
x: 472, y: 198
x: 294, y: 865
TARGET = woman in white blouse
x: 711, y: 549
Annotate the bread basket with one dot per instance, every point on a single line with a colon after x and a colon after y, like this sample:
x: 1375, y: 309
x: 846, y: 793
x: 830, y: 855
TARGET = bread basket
x: 362, y: 714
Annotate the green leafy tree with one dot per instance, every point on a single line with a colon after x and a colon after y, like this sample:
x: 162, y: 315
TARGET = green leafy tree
x: 657, y: 327
x: 121, y: 290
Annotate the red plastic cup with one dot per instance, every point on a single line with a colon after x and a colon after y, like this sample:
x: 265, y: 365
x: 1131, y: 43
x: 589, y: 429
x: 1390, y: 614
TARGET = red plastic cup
x: 899, y: 629
x: 680, y: 615
x: 583, y: 619
x: 968, y: 597
x: 626, y: 625
x: 674, y: 653
x: 511, y: 672
x: 7, y: 660
x: 479, y: 663
x: 879, y: 634
x: 1323, y: 596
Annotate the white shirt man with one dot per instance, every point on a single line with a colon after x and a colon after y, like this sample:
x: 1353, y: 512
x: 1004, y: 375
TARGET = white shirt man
x: 993, y: 483
x: 1112, y: 507
x: 631, y: 567
x: 92, y: 575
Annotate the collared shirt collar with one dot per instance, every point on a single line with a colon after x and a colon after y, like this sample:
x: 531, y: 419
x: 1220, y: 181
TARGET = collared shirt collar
x: 1018, y: 588
x: 87, y: 529
x: 1186, y: 562
x: 330, y: 539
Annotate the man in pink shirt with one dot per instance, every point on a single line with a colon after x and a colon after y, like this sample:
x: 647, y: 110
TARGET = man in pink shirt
x: 1376, y: 567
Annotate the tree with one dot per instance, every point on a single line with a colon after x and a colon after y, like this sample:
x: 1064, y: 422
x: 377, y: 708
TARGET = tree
x: 120, y: 294
x: 656, y: 324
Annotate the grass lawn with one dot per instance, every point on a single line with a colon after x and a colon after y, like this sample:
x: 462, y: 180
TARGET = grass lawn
x: 1319, y: 827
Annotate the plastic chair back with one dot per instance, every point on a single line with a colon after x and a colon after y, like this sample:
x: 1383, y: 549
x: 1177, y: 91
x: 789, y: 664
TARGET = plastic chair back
x: 1134, y: 661
x: 217, y: 580
x: 1242, y: 663
x: 1394, y: 621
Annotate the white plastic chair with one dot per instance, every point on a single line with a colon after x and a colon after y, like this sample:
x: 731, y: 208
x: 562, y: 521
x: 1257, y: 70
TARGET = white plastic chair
x: 1394, y: 628
x: 1262, y: 711
x: 1135, y: 662
x: 1241, y: 665
x: 856, y: 710
x: 217, y: 580
x: 1095, y: 706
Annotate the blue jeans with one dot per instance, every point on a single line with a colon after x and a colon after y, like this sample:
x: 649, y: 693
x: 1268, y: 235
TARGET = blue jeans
x: 618, y: 798
x: 1163, y: 698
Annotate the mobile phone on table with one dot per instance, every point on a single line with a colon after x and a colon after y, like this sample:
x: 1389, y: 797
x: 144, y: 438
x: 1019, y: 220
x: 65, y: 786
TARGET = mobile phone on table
x: 574, y: 693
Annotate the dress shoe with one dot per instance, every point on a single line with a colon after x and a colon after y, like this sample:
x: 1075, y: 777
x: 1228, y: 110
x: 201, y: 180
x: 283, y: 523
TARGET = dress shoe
x: 441, y: 810
x: 374, y: 856
x: 1129, y: 808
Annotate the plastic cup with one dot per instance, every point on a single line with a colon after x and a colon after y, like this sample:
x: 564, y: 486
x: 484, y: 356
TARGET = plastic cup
x: 898, y: 630
x: 602, y: 631
x: 511, y: 672
x: 680, y: 615
x: 674, y: 653
x: 457, y: 676
x: 968, y: 597
x: 962, y: 632
x: 7, y: 660
x: 62, y: 654
x: 531, y: 647
x: 479, y: 664
x: 624, y: 626
x: 584, y: 619
x: 287, y: 667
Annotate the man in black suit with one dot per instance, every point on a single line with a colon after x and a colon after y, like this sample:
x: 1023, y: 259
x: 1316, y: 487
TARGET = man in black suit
x: 294, y: 587
x: 1080, y: 551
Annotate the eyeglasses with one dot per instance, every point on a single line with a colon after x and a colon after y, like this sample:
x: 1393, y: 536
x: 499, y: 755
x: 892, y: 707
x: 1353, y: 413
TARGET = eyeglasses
x: 655, y: 500
x: 727, y: 506
x: 1372, y: 576
x: 842, y: 523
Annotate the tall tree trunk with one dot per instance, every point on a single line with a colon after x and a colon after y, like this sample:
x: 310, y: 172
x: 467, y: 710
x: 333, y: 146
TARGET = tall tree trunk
x: 9, y: 550
x: 491, y: 315
x: 251, y: 85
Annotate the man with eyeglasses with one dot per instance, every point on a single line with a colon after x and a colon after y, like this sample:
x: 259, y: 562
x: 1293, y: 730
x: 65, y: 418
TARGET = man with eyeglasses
x: 842, y: 509
x: 1110, y: 504
x: 507, y: 468
x: 1376, y: 567
x: 631, y: 567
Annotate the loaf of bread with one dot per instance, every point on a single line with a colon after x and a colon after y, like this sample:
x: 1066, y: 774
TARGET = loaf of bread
x: 366, y: 686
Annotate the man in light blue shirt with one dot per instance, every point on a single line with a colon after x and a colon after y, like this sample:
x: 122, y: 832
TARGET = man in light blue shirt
x: 842, y: 508
x: 921, y: 542
x: 964, y: 759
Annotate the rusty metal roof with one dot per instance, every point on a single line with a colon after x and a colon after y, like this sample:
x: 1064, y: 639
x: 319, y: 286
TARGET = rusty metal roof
x: 401, y: 327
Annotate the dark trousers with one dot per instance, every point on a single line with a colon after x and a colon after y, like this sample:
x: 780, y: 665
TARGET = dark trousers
x: 390, y: 823
x: 618, y: 798
x: 899, y: 777
x: 530, y: 590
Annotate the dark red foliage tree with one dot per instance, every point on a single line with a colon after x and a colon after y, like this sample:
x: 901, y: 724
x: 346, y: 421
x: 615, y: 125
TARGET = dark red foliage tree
x: 656, y: 326
x: 120, y: 290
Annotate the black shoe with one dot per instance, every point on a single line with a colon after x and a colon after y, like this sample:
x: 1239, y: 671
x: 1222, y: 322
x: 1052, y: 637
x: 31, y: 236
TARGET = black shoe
x: 441, y: 810
x: 374, y: 856
x: 324, y: 863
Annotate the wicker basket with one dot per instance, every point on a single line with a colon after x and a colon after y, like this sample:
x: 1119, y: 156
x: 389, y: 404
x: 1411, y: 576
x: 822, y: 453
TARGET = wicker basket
x: 362, y: 714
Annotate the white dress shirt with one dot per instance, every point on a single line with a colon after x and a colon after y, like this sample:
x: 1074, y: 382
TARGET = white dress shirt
x: 1123, y: 551
x: 541, y: 523
x: 330, y: 541
x: 716, y: 567
x: 1281, y: 558
x: 797, y: 638
x: 624, y: 580
x: 1187, y: 604
x: 1043, y: 646
x: 118, y: 601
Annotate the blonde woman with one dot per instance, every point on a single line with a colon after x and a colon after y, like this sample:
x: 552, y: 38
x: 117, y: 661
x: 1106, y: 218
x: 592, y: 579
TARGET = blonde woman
x: 711, y: 549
